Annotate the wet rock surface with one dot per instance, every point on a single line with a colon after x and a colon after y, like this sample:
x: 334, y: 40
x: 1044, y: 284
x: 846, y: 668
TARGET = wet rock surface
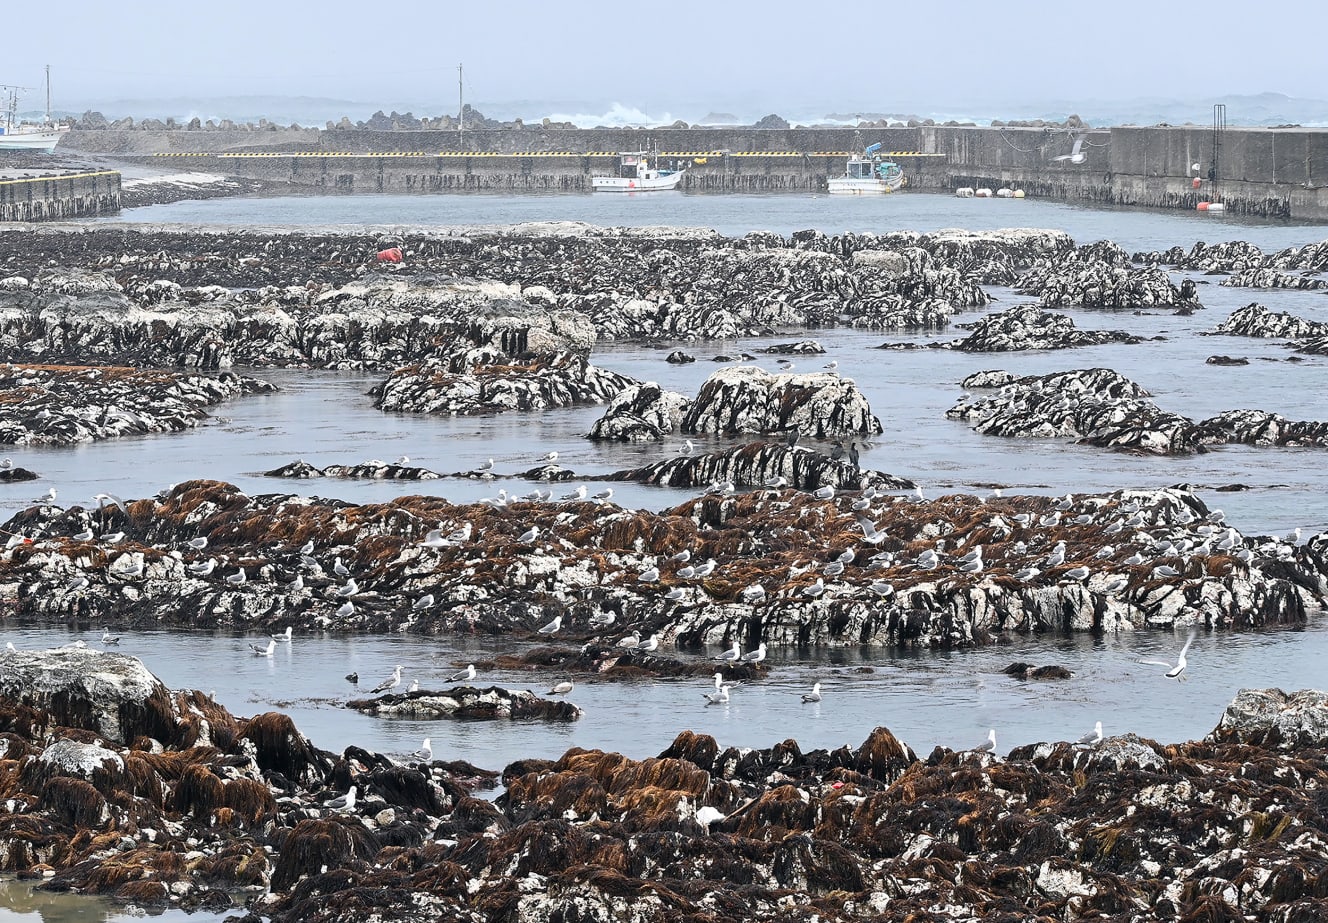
x: 467, y: 703
x: 641, y: 413
x: 764, y: 464
x: 485, y: 382
x: 1101, y: 278
x: 782, y: 566
x: 67, y: 405
x: 1029, y: 327
x: 372, y: 469
x: 223, y: 811
x: 1102, y: 408
x: 747, y: 399
x: 1254, y: 320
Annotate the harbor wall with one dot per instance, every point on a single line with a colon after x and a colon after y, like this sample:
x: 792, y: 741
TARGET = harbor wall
x: 1261, y: 171
x: 58, y: 197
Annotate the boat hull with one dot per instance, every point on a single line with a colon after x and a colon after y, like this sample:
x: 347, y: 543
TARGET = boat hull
x: 845, y: 185
x: 635, y: 184
x: 43, y: 141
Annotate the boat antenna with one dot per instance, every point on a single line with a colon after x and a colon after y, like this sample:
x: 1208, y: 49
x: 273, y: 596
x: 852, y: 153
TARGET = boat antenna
x: 461, y: 109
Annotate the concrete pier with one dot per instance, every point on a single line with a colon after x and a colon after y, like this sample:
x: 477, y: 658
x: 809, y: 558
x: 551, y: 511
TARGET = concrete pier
x: 1271, y: 172
x: 57, y: 196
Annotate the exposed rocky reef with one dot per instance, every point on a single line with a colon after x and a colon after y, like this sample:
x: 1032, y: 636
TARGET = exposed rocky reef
x: 67, y: 405
x: 747, y: 399
x: 482, y: 382
x: 641, y: 413
x: 400, y: 470
x: 765, y: 464
x: 1103, y: 408
x: 1084, y: 278
x: 190, y: 806
x: 1254, y: 320
x: 467, y: 703
x: 778, y: 565
x: 1030, y: 327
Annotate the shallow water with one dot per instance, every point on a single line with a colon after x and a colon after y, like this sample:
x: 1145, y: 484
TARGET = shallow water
x: 928, y: 698
x: 22, y: 902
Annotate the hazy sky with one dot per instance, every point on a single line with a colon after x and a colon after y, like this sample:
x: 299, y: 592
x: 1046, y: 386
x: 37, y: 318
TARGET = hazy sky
x: 771, y: 56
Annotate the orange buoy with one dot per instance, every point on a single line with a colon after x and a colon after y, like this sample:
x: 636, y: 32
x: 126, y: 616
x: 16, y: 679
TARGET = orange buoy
x: 1203, y: 206
x: 390, y: 255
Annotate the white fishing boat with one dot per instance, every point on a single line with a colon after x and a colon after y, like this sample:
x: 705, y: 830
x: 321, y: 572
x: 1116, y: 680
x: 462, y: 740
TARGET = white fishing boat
x: 868, y: 173
x: 24, y: 136
x: 636, y: 173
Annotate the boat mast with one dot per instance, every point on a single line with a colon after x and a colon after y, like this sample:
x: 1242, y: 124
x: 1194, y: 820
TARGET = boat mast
x: 48, y: 94
x: 461, y: 110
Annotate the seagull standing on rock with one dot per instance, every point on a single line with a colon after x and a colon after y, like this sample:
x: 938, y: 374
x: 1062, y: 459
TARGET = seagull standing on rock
x: 553, y: 626
x: 391, y: 682
x: 1092, y: 738
x: 732, y: 654
x: 464, y: 676
x: 988, y: 745
x: 345, y: 803
x: 755, y: 656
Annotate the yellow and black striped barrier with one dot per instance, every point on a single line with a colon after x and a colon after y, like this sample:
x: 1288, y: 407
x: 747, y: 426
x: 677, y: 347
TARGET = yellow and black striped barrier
x: 527, y: 154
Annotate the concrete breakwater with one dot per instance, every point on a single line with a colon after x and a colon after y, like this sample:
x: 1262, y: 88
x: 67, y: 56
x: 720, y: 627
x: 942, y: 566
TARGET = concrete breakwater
x: 1272, y: 172
x: 56, y: 197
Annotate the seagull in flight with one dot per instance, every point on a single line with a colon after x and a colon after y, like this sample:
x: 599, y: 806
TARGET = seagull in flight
x: 1176, y: 670
x: 1076, y: 154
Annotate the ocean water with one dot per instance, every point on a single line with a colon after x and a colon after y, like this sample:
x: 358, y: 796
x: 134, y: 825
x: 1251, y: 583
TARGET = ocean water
x: 928, y: 698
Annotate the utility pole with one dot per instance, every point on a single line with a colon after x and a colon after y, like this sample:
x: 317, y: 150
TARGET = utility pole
x: 461, y: 110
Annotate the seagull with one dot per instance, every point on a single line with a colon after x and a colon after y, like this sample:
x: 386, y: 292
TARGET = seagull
x: 102, y: 500
x: 198, y: 544
x: 578, y: 494
x: 685, y: 573
x: 720, y: 696
x: 485, y: 466
x: 1177, y: 670
x: 463, y: 676
x: 561, y: 688
x: 81, y: 583
x: 753, y: 594
x: 550, y: 458
x: 1076, y: 154
x: 1077, y: 573
x: 732, y: 654
x: 48, y: 497
x: 529, y: 535
x: 113, y: 538
x: 108, y: 638
x: 706, y: 569
x: 814, y: 590
x: 833, y: 568
x: 307, y: 548
x: 988, y: 745
x: 1165, y: 570
x: 814, y: 695
x: 603, y: 495
x: 424, y: 753
x: 346, y: 609
x: 344, y: 803
x: 831, y: 365
x: 283, y: 636
x: 755, y: 656
x: 552, y: 626
x: 675, y: 594
x: 295, y: 585
x: 650, y: 644
x: 650, y: 575
x: 602, y: 619
x: 414, y: 686
x: 264, y: 651
x: 682, y: 557
x: 706, y: 815
x: 824, y: 493
x: 1092, y: 738
x: 236, y: 578
x: 391, y: 682
x: 1057, y: 556
x: 423, y: 602
x: 84, y: 536
x: 631, y: 640
x: 881, y: 588
x: 350, y: 589
x: 688, y: 448
x: 341, y: 570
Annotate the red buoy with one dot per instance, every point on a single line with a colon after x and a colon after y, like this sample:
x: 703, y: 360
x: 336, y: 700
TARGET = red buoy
x: 1196, y: 183
x: 1203, y: 206
x: 390, y: 255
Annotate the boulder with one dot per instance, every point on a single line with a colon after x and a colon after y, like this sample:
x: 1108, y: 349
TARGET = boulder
x: 468, y: 703
x: 751, y: 400
x: 1274, y: 719
x: 763, y: 464
x: 1029, y: 327
x: 641, y: 413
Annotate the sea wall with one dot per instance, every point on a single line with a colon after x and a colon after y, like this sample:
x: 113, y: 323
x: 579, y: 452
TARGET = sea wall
x: 1260, y: 171
x: 53, y: 198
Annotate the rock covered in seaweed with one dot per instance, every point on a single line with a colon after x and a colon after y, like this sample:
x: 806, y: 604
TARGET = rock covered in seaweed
x: 764, y: 464
x: 1254, y: 320
x: 467, y: 703
x: 641, y: 413
x: 67, y: 405
x: 1086, y: 280
x: 510, y: 567
x: 747, y: 399
x: 1029, y: 327
x: 1103, y: 408
x: 481, y: 382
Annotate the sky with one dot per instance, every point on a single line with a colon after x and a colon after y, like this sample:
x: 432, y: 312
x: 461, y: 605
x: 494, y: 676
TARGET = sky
x: 685, y: 57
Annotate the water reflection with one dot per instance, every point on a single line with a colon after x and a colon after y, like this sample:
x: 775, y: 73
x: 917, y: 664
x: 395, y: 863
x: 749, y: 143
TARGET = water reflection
x: 23, y: 902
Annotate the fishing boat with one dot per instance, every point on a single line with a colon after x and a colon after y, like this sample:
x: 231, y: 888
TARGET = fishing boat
x: 868, y: 173
x: 23, y: 136
x: 636, y: 173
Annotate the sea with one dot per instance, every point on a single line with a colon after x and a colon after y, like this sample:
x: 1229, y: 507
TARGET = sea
x: 928, y: 698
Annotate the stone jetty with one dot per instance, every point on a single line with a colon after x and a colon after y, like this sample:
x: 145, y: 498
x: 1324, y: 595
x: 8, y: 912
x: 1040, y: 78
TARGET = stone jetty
x: 780, y: 565
x: 114, y: 785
